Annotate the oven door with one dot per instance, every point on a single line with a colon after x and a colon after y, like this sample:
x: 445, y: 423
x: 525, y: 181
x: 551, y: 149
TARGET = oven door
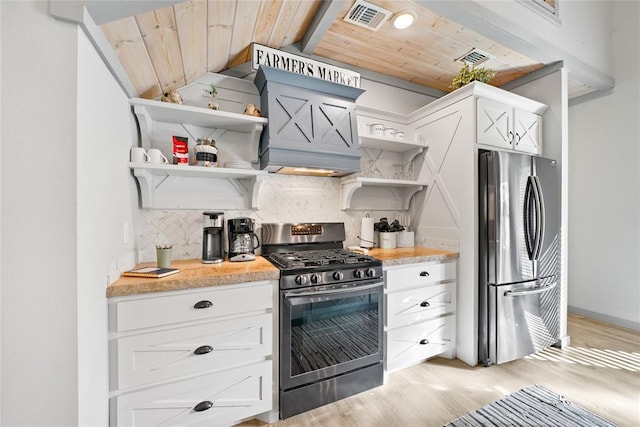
x: 325, y: 332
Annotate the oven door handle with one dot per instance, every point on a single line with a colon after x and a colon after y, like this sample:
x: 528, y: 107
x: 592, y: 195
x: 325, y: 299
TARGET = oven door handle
x: 331, y: 291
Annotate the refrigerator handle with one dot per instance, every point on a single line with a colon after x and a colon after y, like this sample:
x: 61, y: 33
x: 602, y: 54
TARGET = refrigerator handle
x: 531, y: 291
x: 539, y: 198
x: 528, y: 218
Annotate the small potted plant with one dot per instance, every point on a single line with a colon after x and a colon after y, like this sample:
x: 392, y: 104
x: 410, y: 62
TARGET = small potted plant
x: 212, y: 92
x: 470, y: 73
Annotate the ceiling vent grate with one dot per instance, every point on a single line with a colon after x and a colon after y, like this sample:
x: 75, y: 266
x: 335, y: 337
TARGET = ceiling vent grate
x: 367, y: 15
x: 475, y: 57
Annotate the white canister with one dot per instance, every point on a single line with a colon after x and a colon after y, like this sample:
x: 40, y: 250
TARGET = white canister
x: 389, y: 132
x: 387, y: 240
x: 405, y: 239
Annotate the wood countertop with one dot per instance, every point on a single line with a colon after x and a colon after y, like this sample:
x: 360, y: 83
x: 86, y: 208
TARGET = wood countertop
x: 194, y: 274
x: 400, y: 256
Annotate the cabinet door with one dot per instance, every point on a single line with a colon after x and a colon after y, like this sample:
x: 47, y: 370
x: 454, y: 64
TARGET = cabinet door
x: 528, y: 132
x: 413, y: 344
x: 416, y: 305
x: 494, y: 123
x: 158, y: 356
x: 183, y: 307
x: 211, y: 400
x: 421, y: 274
x: 304, y: 118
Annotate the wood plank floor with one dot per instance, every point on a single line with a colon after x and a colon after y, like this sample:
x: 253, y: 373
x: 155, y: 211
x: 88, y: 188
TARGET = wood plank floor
x: 600, y: 371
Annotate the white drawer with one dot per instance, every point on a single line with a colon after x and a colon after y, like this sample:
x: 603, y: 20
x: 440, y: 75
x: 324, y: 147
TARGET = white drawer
x: 234, y: 394
x: 158, y: 356
x: 413, y: 344
x: 416, y: 305
x: 165, y: 310
x: 419, y: 274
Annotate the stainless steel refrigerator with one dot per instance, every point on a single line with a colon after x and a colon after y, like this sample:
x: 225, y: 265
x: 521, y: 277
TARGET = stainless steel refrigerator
x: 519, y: 223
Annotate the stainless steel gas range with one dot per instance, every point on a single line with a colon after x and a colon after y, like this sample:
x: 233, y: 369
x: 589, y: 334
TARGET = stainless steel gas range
x: 330, y: 315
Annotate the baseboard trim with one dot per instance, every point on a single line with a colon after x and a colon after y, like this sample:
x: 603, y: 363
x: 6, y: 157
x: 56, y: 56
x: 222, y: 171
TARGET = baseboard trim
x: 605, y: 318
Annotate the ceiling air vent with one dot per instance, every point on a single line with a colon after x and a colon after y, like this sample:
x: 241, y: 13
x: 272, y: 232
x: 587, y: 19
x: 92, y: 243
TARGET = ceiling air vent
x: 475, y: 57
x: 367, y: 15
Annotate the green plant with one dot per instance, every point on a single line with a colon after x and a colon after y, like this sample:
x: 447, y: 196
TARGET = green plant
x: 212, y: 91
x: 467, y: 74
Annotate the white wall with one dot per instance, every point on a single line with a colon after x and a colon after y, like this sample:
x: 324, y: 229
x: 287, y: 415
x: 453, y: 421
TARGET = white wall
x: 604, y: 182
x: 107, y: 200
x: 0, y: 218
x: 39, y: 295
x: 65, y: 142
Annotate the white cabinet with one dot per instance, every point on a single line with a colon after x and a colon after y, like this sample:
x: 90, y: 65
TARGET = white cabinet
x: 449, y: 214
x: 200, y: 357
x: 501, y: 125
x: 420, y: 307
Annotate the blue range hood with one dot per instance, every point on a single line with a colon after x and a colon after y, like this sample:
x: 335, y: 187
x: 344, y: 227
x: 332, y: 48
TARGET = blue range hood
x: 312, y: 128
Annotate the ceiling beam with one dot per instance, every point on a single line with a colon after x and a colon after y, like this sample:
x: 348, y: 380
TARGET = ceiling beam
x: 322, y: 21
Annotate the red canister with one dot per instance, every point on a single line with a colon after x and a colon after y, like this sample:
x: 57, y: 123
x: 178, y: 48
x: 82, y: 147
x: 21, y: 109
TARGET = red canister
x: 180, y: 150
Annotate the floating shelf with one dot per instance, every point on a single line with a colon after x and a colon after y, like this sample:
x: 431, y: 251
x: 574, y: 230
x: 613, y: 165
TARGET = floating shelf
x: 187, y: 194
x: 150, y: 111
x: 403, y: 189
x: 197, y: 116
x: 408, y: 149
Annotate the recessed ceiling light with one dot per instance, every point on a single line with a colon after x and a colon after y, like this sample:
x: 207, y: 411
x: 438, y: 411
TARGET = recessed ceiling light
x: 404, y: 19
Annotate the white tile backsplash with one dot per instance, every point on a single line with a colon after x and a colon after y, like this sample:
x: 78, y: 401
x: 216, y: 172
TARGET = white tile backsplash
x: 283, y: 198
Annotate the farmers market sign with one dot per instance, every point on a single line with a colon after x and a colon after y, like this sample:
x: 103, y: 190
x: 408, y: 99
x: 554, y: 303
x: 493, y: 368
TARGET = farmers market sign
x: 263, y: 55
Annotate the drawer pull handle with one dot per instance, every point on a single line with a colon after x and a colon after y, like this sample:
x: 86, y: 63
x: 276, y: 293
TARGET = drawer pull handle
x: 424, y: 273
x: 203, y: 349
x: 203, y: 406
x: 424, y: 304
x: 203, y: 304
x: 424, y: 341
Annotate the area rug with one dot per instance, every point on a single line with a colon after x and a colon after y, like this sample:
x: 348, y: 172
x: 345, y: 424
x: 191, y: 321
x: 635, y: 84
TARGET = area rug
x: 534, y: 407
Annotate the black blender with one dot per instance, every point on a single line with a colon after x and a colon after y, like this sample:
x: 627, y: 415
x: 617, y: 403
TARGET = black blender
x: 243, y: 241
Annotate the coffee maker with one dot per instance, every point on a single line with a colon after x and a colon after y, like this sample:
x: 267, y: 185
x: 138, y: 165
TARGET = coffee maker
x: 213, y: 238
x: 241, y: 239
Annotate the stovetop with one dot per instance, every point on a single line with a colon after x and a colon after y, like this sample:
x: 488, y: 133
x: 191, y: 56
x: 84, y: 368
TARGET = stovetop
x: 326, y: 267
x: 321, y: 258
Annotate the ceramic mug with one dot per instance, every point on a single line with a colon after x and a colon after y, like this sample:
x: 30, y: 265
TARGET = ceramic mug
x: 139, y: 155
x: 377, y: 129
x: 156, y: 156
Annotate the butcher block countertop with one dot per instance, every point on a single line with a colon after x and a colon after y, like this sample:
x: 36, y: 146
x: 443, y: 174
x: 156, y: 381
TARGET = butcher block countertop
x: 400, y: 256
x: 194, y: 274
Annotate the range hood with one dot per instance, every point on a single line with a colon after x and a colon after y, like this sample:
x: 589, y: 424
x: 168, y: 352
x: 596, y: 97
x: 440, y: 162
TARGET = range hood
x: 312, y: 128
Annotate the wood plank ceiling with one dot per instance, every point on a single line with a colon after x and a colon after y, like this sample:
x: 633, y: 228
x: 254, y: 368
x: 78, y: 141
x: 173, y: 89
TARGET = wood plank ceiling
x: 171, y: 47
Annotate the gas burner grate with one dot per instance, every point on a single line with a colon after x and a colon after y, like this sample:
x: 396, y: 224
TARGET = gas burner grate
x: 317, y: 258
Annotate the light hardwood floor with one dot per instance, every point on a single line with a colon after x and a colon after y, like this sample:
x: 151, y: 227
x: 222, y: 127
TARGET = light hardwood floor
x: 600, y: 371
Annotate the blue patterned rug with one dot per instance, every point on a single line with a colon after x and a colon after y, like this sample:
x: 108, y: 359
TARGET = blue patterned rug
x: 533, y: 407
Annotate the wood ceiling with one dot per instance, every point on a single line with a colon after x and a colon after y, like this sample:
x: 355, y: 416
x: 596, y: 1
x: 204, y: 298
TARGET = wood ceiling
x: 175, y: 45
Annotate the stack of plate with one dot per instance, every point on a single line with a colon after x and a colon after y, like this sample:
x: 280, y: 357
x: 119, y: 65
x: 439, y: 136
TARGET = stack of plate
x: 237, y: 164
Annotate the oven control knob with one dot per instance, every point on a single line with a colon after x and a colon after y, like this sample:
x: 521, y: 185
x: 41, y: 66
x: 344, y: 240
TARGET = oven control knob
x: 358, y: 274
x: 370, y: 272
x: 338, y: 275
x: 316, y: 278
x: 301, y: 280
